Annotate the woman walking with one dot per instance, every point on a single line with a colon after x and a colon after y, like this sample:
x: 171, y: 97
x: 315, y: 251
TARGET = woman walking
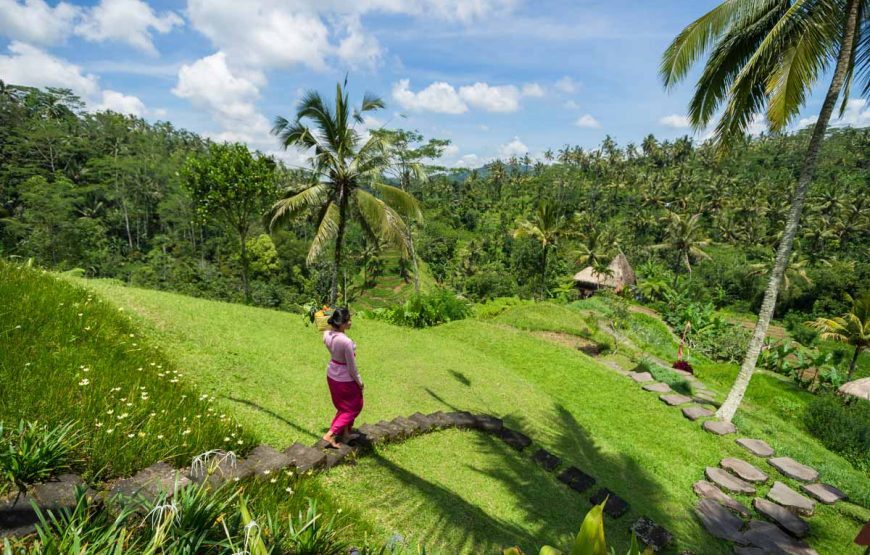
x: 345, y: 383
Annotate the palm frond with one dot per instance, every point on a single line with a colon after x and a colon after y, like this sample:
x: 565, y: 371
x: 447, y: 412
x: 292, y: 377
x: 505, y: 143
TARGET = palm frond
x: 385, y: 222
x: 372, y: 102
x: 401, y: 201
x: 327, y: 229
x: 288, y: 207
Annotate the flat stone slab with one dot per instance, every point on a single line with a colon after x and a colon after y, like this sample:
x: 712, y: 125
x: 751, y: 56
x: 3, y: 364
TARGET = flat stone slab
x: 425, y: 423
x: 441, y: 420
x: 515, y: 439
x: 549, y: 461
x: 488, y: 423
x: 771, y: 539
x: 719, y: 521
x: 265, y: 460
x: 17, y: 518
x: 705, y: 398
x: 675, y: 399
x: 305, y: 458
x: 696, y: 411
x: 824, y: 493
x: 373, y: 433
x: 462, y: 419
x: 335, y: 456
x: 719, y: 428
x: 743, y: 469
x: 651, y: 534
x: 728, y: 481
x: 408, y: 426
x: 615, y: 506
x: 757, y: 447
x: 657, y: 387
x: 576, y: 479
x: 793, y: 469
x: 791, y: 499
x: 393, y: 430
x: 640, y: 377
x: 786, y: 519
x: 707, y: 490
x: 148, y: 484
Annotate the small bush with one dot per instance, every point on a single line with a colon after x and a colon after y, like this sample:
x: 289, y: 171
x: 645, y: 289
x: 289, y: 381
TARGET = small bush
x: 799, y: 331
x: 665, y: 375
x: 32, y: 453
x: 842, y: 428
x: 424, y: 310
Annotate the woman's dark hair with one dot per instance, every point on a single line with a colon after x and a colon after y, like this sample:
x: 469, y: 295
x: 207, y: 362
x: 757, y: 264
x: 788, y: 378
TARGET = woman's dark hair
x: 340, y: 316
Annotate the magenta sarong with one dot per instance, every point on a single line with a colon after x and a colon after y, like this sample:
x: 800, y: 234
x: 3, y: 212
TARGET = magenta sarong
x: 348, y: 400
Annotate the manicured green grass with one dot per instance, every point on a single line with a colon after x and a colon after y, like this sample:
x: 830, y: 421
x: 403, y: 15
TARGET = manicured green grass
x: 545, y: 317
x: 459, y: 491
x: 65, y: 355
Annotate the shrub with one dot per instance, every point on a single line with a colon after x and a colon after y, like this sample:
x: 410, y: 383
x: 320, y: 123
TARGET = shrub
x: 492, y: 308
x: 842, y: 428
x: 799, y: 331
x: 423, y: 310
x: 32, y: 453
x: 724, y: 341
x: 665, y: 375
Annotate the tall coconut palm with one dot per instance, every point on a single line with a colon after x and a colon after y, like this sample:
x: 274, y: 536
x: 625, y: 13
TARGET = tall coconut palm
x: 685, y: 236
x: 546, y: 225
x: 771, y: 53
x: 852, y: 328
x: 346, y: 176
x: 795, y: 271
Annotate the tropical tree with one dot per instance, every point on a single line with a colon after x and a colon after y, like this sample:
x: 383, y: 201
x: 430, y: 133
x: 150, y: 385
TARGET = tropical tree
x: 546, y: 225
x: 685, y: 237
x: 345, y: 178
x: 852, y: 328
x: 596, y: 249
x: 771, y: 53
x: 795, y: 271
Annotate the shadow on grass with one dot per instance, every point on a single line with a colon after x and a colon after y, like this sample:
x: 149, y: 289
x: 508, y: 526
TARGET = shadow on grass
x: 461, y: 378
x: 273, y: 414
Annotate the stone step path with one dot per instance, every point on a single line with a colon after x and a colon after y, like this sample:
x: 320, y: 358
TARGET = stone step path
x: 743, y: 470
x: 657, y: 387
x: 824, y: 493
x: 675, y: 399
x: 719, y: 428
x: 787, y: 520
x: 793, y: 469
x: 708, y: 490
x: 757, y: 447
x: 695, y: 412
x: 728, y: 481
x: 791, y: 499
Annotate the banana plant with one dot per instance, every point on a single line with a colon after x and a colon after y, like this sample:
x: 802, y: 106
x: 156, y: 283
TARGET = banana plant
x: 590, y: 539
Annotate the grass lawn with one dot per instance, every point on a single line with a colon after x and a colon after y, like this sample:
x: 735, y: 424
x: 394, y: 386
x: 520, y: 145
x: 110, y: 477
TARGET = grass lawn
x: 458, y: 491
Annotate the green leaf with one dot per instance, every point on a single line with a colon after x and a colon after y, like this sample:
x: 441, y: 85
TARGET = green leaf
x: 590, y: 540
x: 512, y: 551
x: 547, y: 550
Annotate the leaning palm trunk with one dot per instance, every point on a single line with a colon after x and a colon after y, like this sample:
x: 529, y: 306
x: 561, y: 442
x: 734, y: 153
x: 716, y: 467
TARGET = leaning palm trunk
x: 738, y: 390
x: 413, y: 252
x: 339, y: 244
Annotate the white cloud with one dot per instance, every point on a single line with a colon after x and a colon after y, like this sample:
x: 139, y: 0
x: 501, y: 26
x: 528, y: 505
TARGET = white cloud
x: 504, y: 98
x: 129, y: 21
x: 857, y: 114
x: 121, y: 103
x: 358, y: 48
x: 587, y: 121
x: 514, y: 148
x: 533, y: 90
x: 676, y: 121
x: 571, y: 104
x: 438, y: 97
x: 567, y: 85
x: 757, y: 125
x: 450, y: 151
x: 469, y: 161
x: 806, y: 122
x: 35, y: 22
x: 28, y: 65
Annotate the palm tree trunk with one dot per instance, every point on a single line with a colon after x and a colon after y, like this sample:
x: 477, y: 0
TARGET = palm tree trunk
x: 738, y: 390
x: 339, y: 243
x: 853, y: 363
x: 414, y: 258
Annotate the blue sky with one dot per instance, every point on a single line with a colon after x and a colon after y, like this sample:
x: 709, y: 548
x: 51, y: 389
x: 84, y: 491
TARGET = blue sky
x: 496, y: 77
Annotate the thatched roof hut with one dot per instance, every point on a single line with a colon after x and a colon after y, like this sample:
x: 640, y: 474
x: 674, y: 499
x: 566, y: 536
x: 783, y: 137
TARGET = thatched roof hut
x: 857, y: 388
x: 621, y: 275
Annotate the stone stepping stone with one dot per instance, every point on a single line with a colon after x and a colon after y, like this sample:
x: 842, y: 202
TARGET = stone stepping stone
x: 675, y: 399
x: 706, y: 490
x: 651, y: 534
x: 393, y: 430
x: 373, y: 433
x: 17, y: 518
x: 719, y: 521
x: 824, y: 493
x: 615, y: 506
x: 549, y: 461
x: 719, y: 428
x: 743, y: 469
x: 147, y: 484
x: 335, y: 456
x: 425, y: 423
x: 409, y: 427
x: 786, y: 519
x: 515, y: 439
x: 695, y: 412
x: 305, y: 458
x: 705, y: 397
x: 657, y: 387
x: 795, y: 470
x: 728, y: 481
x: 576, y: 479
x: 640, y: 377
x: 462, y: 419
x: 441, y: 420
x: 757, y: 447
x: 771, y: 539
x: 265, y: 460
x: 791, y: 499
x: 488, y: 423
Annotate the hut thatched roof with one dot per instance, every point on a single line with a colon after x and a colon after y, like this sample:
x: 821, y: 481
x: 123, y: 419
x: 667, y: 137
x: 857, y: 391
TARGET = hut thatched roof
x: 621, y: 275
x: 858, y: 388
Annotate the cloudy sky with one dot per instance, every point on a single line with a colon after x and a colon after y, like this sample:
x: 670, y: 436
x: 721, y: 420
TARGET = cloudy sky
x: 496, y: 77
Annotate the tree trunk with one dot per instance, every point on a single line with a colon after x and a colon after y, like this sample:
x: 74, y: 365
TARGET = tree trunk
x: 738, y: 390
x: 339, y: 240
x: 416, y: 267
x: 244, y: 255
x: 853, y: 363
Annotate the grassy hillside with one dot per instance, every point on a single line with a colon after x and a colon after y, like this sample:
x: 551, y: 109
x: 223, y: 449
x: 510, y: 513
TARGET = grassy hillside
x: 459, y: 491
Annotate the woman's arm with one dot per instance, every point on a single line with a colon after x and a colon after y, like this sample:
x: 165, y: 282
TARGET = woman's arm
x: 350, y: 360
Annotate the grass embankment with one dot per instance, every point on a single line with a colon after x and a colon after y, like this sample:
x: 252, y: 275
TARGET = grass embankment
x: 461, y: 492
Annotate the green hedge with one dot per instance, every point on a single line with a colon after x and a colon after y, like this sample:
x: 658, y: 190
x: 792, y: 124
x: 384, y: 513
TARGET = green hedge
x: 842, y: 427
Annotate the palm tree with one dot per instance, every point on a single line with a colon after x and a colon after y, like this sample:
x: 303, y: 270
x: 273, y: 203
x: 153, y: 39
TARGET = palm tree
x: 546, y: 225
x: 796, y: 270
x: 346, y: 177
x: 596, y: 249
x: 852, y: 328
x: 770, y: 52
x: 685, y: 237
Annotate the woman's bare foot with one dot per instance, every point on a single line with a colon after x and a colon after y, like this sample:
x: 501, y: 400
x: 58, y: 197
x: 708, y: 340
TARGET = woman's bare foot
x: 329, y: 438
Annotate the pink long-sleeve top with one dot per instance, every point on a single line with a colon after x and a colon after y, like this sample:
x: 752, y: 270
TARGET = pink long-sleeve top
x: 342, y: 365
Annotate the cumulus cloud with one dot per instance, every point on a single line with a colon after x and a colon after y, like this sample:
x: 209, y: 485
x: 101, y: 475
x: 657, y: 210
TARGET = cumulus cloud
x: 28, y: 65
x: 35, y: 22
x: 567, y: 85
x: 358, y: 48
x: 129, y: 21
x: 504, y: 98
x: 438, y: 97
x: 121, y: 103
x: 857, y: 114
x: 676, y: 121
x: 469, y: 161
x: 514, y: 148
x: 533, y: 90
x: 587, y: 121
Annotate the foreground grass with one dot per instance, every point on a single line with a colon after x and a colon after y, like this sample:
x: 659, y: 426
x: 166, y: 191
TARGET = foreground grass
x: 65, y: 355
x: 466, y: 493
